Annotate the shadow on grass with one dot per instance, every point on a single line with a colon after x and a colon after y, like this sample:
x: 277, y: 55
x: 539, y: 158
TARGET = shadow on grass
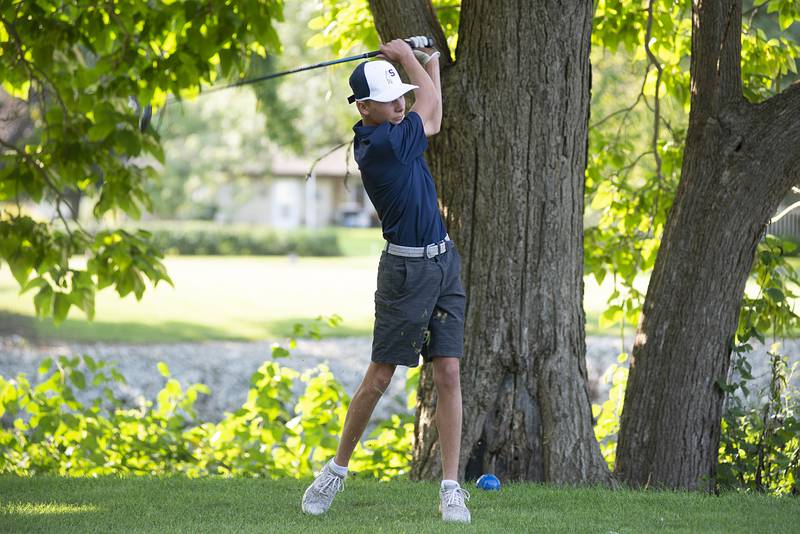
x: 84, y: 331
x: 16, y: 324
x: 81, y: 330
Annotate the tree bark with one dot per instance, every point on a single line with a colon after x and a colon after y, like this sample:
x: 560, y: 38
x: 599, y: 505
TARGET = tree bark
x: 740, y: 160
x: 509, y: 164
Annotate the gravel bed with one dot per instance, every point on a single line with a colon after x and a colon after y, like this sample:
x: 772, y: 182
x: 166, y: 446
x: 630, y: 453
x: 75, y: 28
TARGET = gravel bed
x: 226, y: 366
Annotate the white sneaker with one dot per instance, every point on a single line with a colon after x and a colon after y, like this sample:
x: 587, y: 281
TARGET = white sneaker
x: 452, y: 505
x: 319, y: 495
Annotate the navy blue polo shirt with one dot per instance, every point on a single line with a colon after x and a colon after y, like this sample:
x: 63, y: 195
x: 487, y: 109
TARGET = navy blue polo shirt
x: 398, y: 181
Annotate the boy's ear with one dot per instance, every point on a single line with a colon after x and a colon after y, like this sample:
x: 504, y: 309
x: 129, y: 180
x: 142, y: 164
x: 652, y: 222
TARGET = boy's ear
x: 363, y: 109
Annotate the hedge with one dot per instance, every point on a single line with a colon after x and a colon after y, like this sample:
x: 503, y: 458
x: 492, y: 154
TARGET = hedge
x: 208, y: 238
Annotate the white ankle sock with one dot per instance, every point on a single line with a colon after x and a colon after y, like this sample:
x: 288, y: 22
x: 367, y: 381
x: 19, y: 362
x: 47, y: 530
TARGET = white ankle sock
x: 338, y: 469
x: 449, y: 484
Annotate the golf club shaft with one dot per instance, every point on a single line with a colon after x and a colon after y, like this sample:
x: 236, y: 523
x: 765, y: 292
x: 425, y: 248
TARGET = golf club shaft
x: 248, y: 81
x: 145, y: 119
x: 265, y: 77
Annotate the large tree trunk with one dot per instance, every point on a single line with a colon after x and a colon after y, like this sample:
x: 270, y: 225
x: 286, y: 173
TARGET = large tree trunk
x: 740, y: 160
x: 509, y: 165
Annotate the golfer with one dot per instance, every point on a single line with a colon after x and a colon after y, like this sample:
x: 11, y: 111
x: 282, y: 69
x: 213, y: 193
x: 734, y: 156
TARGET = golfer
x: 419, y: 303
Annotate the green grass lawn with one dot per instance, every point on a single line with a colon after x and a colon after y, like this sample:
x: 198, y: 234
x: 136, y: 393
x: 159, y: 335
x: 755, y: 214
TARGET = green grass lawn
x: 359, y: 241
x: 216, y: 297
x: 242, y: 298
x: 50, y: 504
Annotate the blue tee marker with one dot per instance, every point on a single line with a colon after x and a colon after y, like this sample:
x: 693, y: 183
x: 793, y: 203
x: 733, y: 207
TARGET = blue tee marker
x: 488, y: 482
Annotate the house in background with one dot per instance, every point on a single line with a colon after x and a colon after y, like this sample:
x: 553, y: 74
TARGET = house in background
x: 285, y: 192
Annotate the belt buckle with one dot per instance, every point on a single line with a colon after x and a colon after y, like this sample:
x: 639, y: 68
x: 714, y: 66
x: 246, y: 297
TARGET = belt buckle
x: 442, y: 247
x: 431, y: 250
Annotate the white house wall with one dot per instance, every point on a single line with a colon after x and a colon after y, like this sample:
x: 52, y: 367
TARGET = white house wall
x: 286, y: 202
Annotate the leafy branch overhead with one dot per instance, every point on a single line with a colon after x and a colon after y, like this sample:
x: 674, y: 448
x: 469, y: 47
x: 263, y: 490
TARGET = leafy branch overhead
x: 76, y: 65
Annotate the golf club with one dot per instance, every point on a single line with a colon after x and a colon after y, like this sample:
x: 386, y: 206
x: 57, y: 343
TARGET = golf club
x: 147, y: 111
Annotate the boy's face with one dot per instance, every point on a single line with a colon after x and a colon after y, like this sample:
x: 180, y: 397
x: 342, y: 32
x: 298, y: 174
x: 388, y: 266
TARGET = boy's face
x: 374, y: 113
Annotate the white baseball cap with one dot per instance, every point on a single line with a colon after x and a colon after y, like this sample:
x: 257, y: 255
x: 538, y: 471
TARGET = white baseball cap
x: 377, y: 80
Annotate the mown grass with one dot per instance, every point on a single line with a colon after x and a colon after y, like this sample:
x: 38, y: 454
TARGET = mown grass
x: 231, y: 298
x: 106, y: 504
x: 215, y: 297
x: 244, y: 298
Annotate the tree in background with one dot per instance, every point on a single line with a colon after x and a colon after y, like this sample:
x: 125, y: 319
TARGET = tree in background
x: 76, y: 65
x: 741, y: 158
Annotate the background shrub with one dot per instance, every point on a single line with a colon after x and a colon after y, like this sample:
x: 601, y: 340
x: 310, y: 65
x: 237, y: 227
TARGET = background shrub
x: 45, y: 429
x: 200, y: 238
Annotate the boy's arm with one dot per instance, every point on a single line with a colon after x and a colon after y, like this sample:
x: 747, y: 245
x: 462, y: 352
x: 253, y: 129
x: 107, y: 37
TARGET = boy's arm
x: 428, y: 98
x: 432, y: 69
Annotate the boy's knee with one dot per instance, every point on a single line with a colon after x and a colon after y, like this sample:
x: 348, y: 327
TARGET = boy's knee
x: 447, y: 375
x: 380, y: 386
x: 380, y: 379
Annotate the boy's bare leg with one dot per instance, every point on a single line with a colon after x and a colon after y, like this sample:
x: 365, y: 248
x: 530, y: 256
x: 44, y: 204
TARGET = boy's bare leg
x: 448, y: 413
x: 376, y: 381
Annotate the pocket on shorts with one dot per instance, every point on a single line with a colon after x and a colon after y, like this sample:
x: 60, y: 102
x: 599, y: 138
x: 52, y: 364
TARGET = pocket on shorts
x: 392, y: 277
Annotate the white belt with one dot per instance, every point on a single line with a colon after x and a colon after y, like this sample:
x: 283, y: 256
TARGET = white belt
x: 428, y: 251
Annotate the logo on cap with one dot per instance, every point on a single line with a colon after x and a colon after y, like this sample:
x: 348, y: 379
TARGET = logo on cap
x: 377, y: 80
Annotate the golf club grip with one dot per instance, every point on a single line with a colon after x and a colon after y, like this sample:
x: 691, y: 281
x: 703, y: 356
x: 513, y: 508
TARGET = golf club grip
x: 428, y: 44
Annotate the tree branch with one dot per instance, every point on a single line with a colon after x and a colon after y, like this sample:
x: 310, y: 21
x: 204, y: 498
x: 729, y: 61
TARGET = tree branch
x: 716, y: 55
x: 626, y: 110
x: 39, y: 168
x: 775, y: 128
x: 657, y: 64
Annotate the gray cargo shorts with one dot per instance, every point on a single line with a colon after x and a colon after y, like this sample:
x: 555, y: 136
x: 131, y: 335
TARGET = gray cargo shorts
x: 419, y: 308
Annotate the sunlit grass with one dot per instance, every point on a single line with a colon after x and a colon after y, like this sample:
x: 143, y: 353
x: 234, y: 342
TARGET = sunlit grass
x: 23, y: 509
x: 245, y: 298
x: 219, y: 298
x: 110, y: 504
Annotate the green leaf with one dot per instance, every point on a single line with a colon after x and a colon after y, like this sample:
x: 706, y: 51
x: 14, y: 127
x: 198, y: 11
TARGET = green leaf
x: 785, y: 18
x: 279, y: 352
x: 612, y: 316
x: 33, y: 283
x: 163, y: 369
x: 775, y: 294
x: 100, y: 131
x: 61, y: 304
x: 78, y: 379
x: 43, y: 301
x: 90, y: 363
x: 45, y: 366
x: 118, y: 377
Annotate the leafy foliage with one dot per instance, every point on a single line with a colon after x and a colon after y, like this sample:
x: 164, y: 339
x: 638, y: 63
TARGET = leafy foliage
x: 607, y: 415
x: 53, y: 432
x: 77, y: 65
x: 345, y: 26
x: 760, y: 446
x: 636, y: 151
x: 760, y: 436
